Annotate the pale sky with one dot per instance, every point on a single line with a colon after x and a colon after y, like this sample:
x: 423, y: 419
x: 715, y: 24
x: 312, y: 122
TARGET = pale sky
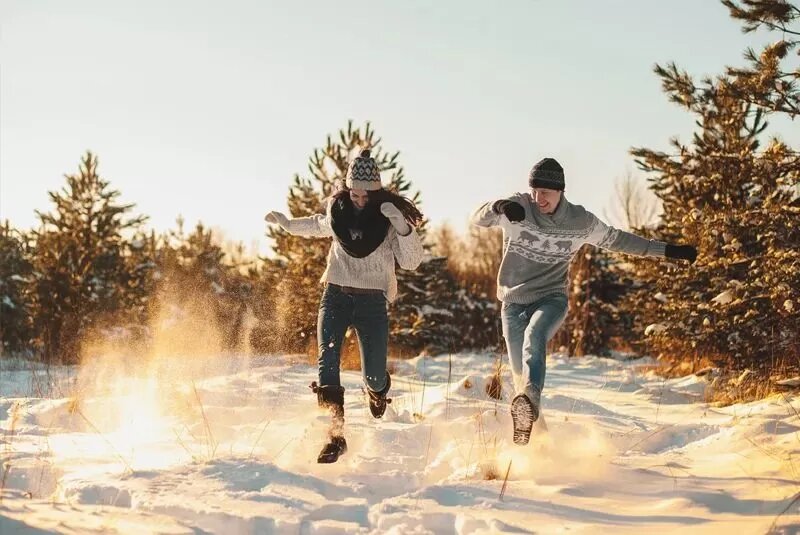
x: 208, y: 109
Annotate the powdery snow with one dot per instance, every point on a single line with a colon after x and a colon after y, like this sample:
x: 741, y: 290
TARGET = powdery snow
x: 185, y: 445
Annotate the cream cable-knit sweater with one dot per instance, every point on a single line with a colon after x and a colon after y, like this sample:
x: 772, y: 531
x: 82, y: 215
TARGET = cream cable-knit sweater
x: 375, y: 271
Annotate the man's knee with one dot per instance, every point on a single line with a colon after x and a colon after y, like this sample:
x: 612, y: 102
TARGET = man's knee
x: 538, y: 336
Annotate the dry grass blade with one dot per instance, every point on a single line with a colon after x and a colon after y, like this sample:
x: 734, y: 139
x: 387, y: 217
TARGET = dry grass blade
x: 774, y: 524
x: 447, y: 392
x: 78, y: 411
x: 9, y: 434
x: 654, y: 433
x: 278, y: 454
x: 6, y: 470
x: 764, y: 450
x: 494, y: 388
x: 212, y: 446
x: 424, y: 384
x: 505, y: 481
x: 258, y: 439
x: 789, y: 403
x: 183, y: 444
x: 428, y: 449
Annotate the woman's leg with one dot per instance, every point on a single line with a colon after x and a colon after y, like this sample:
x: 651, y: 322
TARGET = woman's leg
x: 335, y: 313
x: 335, y: 316
x: 371, y: 322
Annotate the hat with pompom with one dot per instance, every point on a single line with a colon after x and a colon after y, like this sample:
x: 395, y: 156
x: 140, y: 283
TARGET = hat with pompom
x: 363, y: 173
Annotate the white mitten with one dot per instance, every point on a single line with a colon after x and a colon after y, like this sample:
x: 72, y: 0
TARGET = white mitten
x: 395, y: 218
x: 278, y: 218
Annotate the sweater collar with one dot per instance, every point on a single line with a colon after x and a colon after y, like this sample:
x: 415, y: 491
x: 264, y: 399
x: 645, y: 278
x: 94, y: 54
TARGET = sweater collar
x: 561, y: 210
x: 557, y: 217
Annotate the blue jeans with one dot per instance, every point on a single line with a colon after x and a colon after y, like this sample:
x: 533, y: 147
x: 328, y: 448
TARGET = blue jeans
x: 367, y: 313
x: 527, y: 329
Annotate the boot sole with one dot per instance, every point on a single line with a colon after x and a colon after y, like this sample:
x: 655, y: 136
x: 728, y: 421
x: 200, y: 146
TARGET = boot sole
x: 523, y: 415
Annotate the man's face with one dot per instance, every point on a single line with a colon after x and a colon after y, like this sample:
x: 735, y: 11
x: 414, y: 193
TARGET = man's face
x: 359, y: 197
x: 546, y: 199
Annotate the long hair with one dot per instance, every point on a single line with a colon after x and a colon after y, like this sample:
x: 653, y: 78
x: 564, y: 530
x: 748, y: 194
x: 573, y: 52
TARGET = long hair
x: 406, y: 206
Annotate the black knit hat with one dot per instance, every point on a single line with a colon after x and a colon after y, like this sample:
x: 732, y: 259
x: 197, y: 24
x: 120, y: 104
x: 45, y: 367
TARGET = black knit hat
x: 363, y: 173
x: 547, y: 173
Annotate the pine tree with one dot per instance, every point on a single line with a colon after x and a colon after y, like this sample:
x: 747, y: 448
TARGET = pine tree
x: 472, y: 262
x: 140, y: 270
x: 16, y: 328
x: 430, y: 310
x: 767, y: 82
x: 596, y: 324
x: 735, y: 195
x: 299, y: 262
x: 191, y: 264
x: 204, y: 287
x: 262, y: 337
x: 600, y: 280
x: 81, y: 277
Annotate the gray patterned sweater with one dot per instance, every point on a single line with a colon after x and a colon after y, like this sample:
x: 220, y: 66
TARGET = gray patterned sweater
x: 537, y: 250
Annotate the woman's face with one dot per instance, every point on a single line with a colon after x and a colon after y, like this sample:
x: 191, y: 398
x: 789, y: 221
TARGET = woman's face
x: 360, y: 197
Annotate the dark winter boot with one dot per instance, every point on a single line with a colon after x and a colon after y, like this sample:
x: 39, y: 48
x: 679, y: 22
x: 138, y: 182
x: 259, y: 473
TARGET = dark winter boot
x: 524, y: 413
x: 332, y: 398
x: 378, y: 400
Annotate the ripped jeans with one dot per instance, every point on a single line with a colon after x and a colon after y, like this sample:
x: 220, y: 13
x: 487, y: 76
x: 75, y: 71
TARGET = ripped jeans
x: 527, y: 329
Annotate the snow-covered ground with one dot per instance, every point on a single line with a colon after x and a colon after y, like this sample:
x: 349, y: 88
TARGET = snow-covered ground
x: 229, y: 446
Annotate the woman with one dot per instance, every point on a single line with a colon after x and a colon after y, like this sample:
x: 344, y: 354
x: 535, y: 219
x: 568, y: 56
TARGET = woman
x: 370, y: 227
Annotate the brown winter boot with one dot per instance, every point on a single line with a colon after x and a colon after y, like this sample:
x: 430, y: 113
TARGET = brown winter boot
x: 378, y: 400
x: 332, y: 397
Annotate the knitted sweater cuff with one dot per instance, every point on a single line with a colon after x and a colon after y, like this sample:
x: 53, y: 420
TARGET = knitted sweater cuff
x: 657, y: 248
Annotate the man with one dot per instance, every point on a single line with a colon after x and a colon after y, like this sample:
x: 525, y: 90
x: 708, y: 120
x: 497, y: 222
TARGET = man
x: 542, y: 231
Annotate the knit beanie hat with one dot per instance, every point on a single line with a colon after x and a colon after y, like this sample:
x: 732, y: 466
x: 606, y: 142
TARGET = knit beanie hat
x: 363, y: 173
x: 548, y: 174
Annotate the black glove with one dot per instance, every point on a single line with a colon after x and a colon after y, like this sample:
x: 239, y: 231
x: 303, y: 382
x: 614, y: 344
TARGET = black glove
x: 512, y: 210
x: 681, y: 252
